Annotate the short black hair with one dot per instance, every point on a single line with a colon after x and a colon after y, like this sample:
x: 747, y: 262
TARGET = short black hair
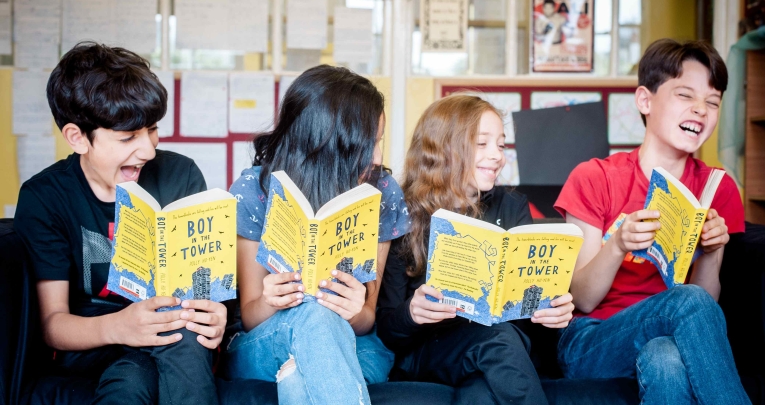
x: 96, y: 86
x: 663, y: 60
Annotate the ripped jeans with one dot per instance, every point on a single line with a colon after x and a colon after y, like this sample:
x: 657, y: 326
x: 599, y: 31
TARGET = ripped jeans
x: 330, y: 364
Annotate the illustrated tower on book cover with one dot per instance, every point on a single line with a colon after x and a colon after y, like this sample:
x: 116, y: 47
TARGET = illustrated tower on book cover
x: 531, y: 298
x: 228, y: 279
x: 178, y: 293
x: 367, y: 268
x: 346, y: 265
x: 201, y: 283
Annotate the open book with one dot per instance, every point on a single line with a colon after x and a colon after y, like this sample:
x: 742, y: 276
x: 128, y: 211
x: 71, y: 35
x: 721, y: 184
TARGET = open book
x: 492, y: 275
x: 185, y: 250
x: 341, y: 235
x: 681, y: 216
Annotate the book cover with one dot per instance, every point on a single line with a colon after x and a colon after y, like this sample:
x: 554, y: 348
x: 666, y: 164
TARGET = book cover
x: 492, y: 275
x: 341, y: 235
x: 186, y: 250
x: 682, y: 218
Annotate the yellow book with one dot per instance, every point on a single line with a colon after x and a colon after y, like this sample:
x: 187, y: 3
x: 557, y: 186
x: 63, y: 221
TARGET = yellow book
x: 494, y: 275
x: 185, y: 250
x: 341, y: 235
x: 682, y: 217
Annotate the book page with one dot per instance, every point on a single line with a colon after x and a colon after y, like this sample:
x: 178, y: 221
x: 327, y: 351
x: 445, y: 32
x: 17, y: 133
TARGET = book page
x: 200, y: 257
x: 204, y: 104
x: 133, y: 267
x: 463, y: 263
x: 285, y: 230
x: 251, y: 102
x: 540, y: 267
x: 348, y: 242
x: 307, y: 24
x: 31, y: 113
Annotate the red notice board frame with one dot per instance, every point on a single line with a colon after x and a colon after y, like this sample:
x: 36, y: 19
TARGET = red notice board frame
x: 604, y: 87
x: 228, y: 140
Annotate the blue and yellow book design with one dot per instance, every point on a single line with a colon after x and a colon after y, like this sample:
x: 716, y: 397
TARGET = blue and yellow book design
x: 186, y: 250
x: 341, y: 235
x: 682, y: 217
x: 494, y: 275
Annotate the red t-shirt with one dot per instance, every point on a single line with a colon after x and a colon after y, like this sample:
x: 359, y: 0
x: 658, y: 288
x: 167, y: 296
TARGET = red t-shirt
x: 602, y: 192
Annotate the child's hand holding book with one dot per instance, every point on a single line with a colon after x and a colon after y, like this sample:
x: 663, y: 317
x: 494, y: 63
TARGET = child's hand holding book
x: 714, y: 234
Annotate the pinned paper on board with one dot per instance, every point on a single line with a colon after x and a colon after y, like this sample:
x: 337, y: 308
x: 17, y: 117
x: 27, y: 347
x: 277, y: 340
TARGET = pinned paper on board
x: 251, y: 102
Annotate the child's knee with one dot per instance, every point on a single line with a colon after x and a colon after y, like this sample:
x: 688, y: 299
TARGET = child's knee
x: 660, y: 357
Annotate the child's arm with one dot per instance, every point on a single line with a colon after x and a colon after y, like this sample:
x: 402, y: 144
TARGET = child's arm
x: 261, y: 294
x: 137, y: 325
x: 596, y: 266
x: 706, y: 270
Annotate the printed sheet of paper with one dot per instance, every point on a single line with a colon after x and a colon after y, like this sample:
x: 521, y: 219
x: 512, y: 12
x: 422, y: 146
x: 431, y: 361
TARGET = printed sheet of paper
x: 443, y: 24
x: 36, y: 21
x: 489, y: 10
x: 130, y: 24
x: 36, y: 55
x: 624, y: 123
x: 307, y: 24
x: 562, y: 36
x: 489, y: 51
x: 222, y: 24
x: 251, y: 102
x: 299, y: 60
x: 509, y: 175
x: 284, y: 83
x: 204, y: 104
x: 507, y: 104
x: 31, y: 113
x: 353, y: 35
x: 209, y: 157
x: 247, y: 25
x: 33, y: 154
x: 135, y: 25
x: 5, y: 27
x: 9, y: 211
x: 167, y: 123
x: 242, y: 158
x: 550, y: 99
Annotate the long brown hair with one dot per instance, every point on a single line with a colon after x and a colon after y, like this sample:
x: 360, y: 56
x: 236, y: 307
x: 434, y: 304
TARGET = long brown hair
x: 439, y: 165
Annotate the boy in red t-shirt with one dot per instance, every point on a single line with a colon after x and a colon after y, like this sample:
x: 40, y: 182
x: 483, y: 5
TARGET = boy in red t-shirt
x: 628, y: 324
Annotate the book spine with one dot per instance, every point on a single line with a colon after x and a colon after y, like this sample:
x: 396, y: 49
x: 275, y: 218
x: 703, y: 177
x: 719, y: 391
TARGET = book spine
x: 502, y: 276
x: 161, y: 257
x: 310, y: 258
x: 690, y: 242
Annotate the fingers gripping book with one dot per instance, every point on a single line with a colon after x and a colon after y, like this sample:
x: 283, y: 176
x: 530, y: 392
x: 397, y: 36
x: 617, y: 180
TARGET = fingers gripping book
x: 494, y: 275
x: 341, y: 235
x: 186, y: 250
x: 682, y: 218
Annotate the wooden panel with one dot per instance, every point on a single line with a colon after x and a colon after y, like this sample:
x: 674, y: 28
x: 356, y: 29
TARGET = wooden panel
x: 755, y: 138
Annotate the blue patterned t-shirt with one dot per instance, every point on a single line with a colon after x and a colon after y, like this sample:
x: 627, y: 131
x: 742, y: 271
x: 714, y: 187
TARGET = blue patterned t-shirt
x: 251, y: 206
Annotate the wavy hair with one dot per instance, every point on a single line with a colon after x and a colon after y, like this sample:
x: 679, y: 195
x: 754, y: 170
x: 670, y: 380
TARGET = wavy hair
x: 439, y: 165
x: 325, y: 134
x: 96, y: 86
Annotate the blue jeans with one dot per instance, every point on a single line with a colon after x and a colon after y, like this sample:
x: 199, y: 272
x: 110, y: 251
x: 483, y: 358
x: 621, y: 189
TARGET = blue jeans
x: 329, y: 364
x: 675, y: 343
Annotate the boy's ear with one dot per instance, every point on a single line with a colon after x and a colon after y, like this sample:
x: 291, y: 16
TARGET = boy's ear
x: 76, y: 138
x: 643, y: 100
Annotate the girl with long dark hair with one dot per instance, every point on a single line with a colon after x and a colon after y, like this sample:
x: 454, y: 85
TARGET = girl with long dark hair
x: 327, y: 139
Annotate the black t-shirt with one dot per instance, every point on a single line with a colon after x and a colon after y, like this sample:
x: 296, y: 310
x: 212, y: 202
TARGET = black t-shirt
x: 395, y: 325
x: 68, y: 230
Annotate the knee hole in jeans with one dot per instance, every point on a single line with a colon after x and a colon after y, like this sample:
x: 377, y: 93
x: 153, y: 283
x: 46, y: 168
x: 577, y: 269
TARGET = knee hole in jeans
x: 286, y: 369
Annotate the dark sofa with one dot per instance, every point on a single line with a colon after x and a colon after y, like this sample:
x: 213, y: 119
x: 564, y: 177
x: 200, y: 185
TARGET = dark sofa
x: 25, y: 376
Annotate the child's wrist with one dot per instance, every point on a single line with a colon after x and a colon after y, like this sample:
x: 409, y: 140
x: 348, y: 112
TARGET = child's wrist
x: 106, y: 327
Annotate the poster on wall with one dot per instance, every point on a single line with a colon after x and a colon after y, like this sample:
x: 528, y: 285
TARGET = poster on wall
x: 443, y: 24
x: 562, y: 36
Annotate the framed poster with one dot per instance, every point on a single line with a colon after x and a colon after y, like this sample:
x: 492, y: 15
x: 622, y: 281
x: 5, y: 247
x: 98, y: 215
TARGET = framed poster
x: 562, y: 36
x: 443, y: 24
